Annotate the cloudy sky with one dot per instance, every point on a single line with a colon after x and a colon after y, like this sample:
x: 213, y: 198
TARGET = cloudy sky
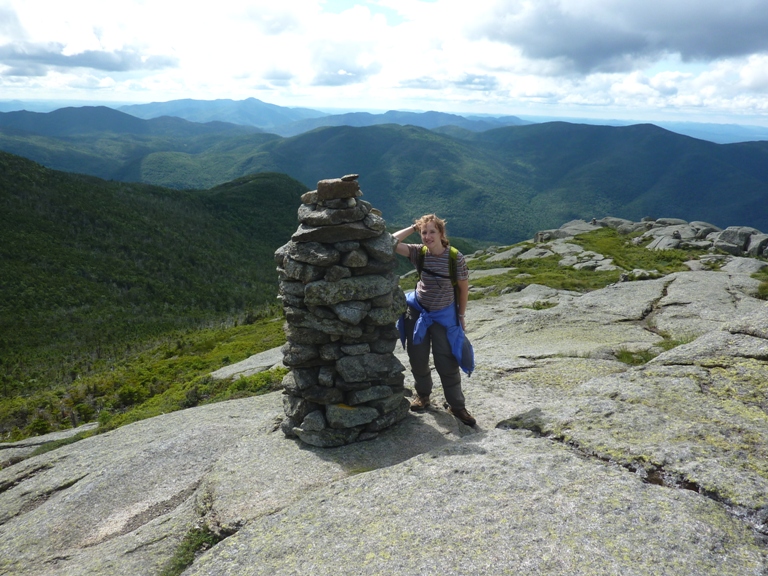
x: 698, y: 60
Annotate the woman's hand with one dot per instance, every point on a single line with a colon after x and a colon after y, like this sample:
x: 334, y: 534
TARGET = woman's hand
x: 401, y: 235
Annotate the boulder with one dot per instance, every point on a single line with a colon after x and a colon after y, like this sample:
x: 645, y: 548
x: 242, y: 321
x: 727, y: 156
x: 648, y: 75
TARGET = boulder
x: 664, y: 243
x: 301, y: 272
x: 744, y: 265
x: 337, y: 188
x: 327, y: 437
x: 506, y: 254
x: 367, y: 395
x: 665, y: 222
x: 368, y: 367
x: 565, y: 248
x: 331, y: 234
x: 381, y: 247
x: 310, y: 215
x: 736, y: 235
x: 313, y: 253
x: 567, y: 230
x: 632, y: 227
x: 252, y: 365
x: 352, y: 311
x: 355, y: 288
x: 612, y: 222
x: 677, y: 231
x: 535, y: 253
x: 342, y: 416
x: 474, y: 274
x: 728, y: 247
x: 355, y: 259
x: 757, y: 245
x: 703, y: 229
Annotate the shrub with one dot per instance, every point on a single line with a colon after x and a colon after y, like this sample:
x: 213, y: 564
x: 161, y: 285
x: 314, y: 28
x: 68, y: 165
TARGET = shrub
x: 195, y: 542
x: 629, y: 256
x: 169, y: 376
x: 762, y: 289
x: 634, y: 358
x: 38, y: 427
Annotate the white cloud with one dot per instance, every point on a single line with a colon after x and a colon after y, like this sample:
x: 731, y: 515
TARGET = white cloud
x: 43, y: 57
x: 273, y: 20
x: 10, y: 27
x: 754, y: 74
x: 616, y: 35
x: 505, y: 56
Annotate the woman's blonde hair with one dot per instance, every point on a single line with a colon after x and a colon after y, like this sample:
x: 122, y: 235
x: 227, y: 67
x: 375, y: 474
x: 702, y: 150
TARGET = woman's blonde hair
x: 439, y: 224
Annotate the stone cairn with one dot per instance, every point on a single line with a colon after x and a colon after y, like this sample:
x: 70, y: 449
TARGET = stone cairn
x: 341, y: 300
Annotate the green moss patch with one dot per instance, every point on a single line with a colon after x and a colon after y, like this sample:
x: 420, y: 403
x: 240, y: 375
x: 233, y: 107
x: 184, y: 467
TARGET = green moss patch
x: 197, y: 541
x: 543, y: 271
x: 762, y: 289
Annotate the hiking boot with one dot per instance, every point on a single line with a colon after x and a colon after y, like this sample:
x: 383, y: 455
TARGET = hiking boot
x: 463, y: 415
x: 419, y: 403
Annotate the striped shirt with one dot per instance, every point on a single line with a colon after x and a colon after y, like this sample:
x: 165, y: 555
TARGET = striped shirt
x: 432, y: 291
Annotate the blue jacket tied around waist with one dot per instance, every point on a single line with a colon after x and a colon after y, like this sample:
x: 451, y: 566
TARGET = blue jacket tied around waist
x: 460, y: 344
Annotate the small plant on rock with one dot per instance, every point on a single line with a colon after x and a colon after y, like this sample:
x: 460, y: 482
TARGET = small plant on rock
x: 635, y: 358
x: 197, y: 541
x: 541, y: 305
x: 762, y: 289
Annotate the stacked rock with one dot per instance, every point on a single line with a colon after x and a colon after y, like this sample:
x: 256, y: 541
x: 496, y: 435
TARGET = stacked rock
x: 341, y: 300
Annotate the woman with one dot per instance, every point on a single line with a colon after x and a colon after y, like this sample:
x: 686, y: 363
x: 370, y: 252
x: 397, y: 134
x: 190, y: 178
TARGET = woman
x: 435, y: 316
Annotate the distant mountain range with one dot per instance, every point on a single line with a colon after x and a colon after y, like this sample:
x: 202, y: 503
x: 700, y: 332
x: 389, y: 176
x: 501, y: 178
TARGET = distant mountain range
x: 428, y: 120
x: 717, y: 133
x: 249, y: 112
x: 501, y: 185
x: 109, y: 144
x: 67, y: 122
x: 293, y: 121
x: 287, y: 121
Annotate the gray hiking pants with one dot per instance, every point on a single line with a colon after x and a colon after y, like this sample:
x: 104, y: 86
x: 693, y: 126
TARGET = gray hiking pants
x: 445, y: 363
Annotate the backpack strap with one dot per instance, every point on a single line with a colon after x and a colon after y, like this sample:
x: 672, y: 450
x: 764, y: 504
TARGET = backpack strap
x: 420, y: 260
x: 453, y: 257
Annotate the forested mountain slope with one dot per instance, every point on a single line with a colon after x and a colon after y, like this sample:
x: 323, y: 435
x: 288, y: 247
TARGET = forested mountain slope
x: 106, y: 143
x: 500, y: 185
x: 90, y: 265
x: 506, y: 184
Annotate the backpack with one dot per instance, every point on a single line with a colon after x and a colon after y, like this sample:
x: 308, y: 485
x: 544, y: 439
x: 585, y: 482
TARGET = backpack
x: 453, y: 256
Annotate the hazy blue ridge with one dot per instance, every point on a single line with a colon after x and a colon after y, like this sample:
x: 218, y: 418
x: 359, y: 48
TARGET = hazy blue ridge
x: 429, y: 120
x: 96, y: 119
x: 106, y: 143
x: 249, y: 112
